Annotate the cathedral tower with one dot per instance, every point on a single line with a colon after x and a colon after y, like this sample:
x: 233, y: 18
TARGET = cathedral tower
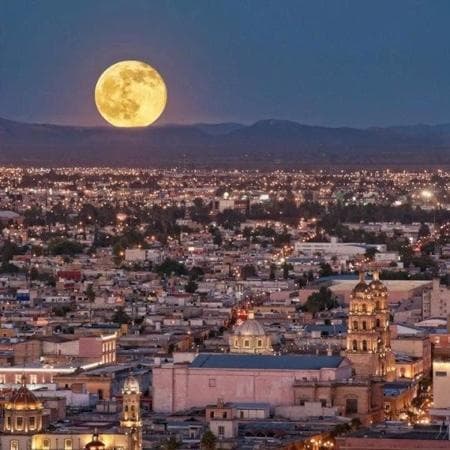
x: 131, y: 413
x: 368, y: 337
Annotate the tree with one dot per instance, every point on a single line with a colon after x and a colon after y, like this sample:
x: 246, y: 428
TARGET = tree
x: 286, y: 268
x: 325, y: 270
x: 248, y: 271
x: 170, y: 266
x: 90, y: 294
x: 208, y: 441
x: 64, y: 247
x: 370, y: 252
x: 120, y: 316
x: 171, y: 443
x: 322, y: 300
x: 191, y: 287
x: 424, y: 231
x: 230, y: 218
x: 217, y: 238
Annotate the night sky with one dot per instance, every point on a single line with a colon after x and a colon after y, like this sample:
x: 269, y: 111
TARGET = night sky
x: 334, y: 62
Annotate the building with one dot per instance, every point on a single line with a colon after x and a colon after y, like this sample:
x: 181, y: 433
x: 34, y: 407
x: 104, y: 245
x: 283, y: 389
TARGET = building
x: 436, y: 302
x: 368, y: 337
x: 240, y: 378
x: 250, y: 337
x: 335, y: 248
x: 441, y: 391
x: 23, y: 427
x: 398, y: 437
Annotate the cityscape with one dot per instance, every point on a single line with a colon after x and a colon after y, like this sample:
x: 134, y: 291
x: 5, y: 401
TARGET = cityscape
x: 224, y: 225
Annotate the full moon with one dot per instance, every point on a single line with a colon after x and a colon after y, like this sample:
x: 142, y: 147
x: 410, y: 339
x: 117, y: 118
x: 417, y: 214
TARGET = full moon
x: 130, y: 94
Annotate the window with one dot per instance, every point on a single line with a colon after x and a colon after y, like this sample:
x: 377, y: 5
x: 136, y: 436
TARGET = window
x: 211, y: 414
x: 364, y: 324
x: 19, y: 423
x: 364, y: 307
x: 33, y: 379
x: 259, y: 343
x: 323, y: 402
x: 67, y: 444
x: 46, y: 444
x: 246, y: 343
x: 351, y: 406
x: 364, y: 346
x: 241, y: 414
x: 32, y: 422
x: 8, y: 423
x: 212, y: 382
x: 355, y: 325
x: 221, y: 430
x: 378, y: 323
x: 14, y: 445
x: 439, y: 373
x: 354, y: 345
x: 224, y: 415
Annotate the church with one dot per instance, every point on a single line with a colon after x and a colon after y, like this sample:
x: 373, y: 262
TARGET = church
x: 350, y: 384
x: 23, y: 427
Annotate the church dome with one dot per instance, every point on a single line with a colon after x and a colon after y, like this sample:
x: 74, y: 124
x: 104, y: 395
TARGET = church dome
x: 251, y: 327
x: 362, y: 286
x: 131, y: 385
x: 95, y: 443
x: 23, y: 399
x: 376, y: 286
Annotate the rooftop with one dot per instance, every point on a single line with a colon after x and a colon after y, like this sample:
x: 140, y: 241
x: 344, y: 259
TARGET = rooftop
x: 266, y: 362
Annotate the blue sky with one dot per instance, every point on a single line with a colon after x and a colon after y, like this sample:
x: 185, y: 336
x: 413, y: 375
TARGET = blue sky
x: 328, y: 62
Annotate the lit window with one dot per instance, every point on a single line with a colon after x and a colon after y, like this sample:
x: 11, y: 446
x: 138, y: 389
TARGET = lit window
x: 67, y: 444
x: 14, y: 445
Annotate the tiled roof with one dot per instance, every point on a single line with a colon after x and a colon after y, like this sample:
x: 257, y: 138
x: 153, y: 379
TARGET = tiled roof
x: 268, y: 362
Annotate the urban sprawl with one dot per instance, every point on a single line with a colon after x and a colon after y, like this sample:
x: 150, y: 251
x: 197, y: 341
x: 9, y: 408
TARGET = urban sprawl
x: 213, y: 309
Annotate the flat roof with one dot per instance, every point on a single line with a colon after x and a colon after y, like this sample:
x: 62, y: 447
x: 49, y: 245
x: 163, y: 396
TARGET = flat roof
x: 266, y: 362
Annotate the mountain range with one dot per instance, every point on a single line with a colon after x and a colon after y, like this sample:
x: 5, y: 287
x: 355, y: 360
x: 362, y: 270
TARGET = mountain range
x: 263, y: 144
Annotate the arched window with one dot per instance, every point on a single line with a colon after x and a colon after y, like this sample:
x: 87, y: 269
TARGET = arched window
x: 364, y: 345
x: 355, y: 325
x: 355, y: 344
x: 378, y: 323
x: 364, y: 324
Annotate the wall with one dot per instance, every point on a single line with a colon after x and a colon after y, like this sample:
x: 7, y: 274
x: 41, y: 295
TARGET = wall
x: 177, y: 388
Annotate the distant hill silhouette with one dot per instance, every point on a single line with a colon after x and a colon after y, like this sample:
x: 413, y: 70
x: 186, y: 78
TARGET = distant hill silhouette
x: 266, y: 143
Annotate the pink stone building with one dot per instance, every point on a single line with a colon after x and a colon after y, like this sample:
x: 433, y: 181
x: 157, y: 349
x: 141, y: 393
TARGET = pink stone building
x: 241, y: 378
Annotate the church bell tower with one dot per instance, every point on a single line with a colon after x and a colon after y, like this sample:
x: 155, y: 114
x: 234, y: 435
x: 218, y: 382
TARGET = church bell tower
x: 368, y: 337
x: 131, y: 413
